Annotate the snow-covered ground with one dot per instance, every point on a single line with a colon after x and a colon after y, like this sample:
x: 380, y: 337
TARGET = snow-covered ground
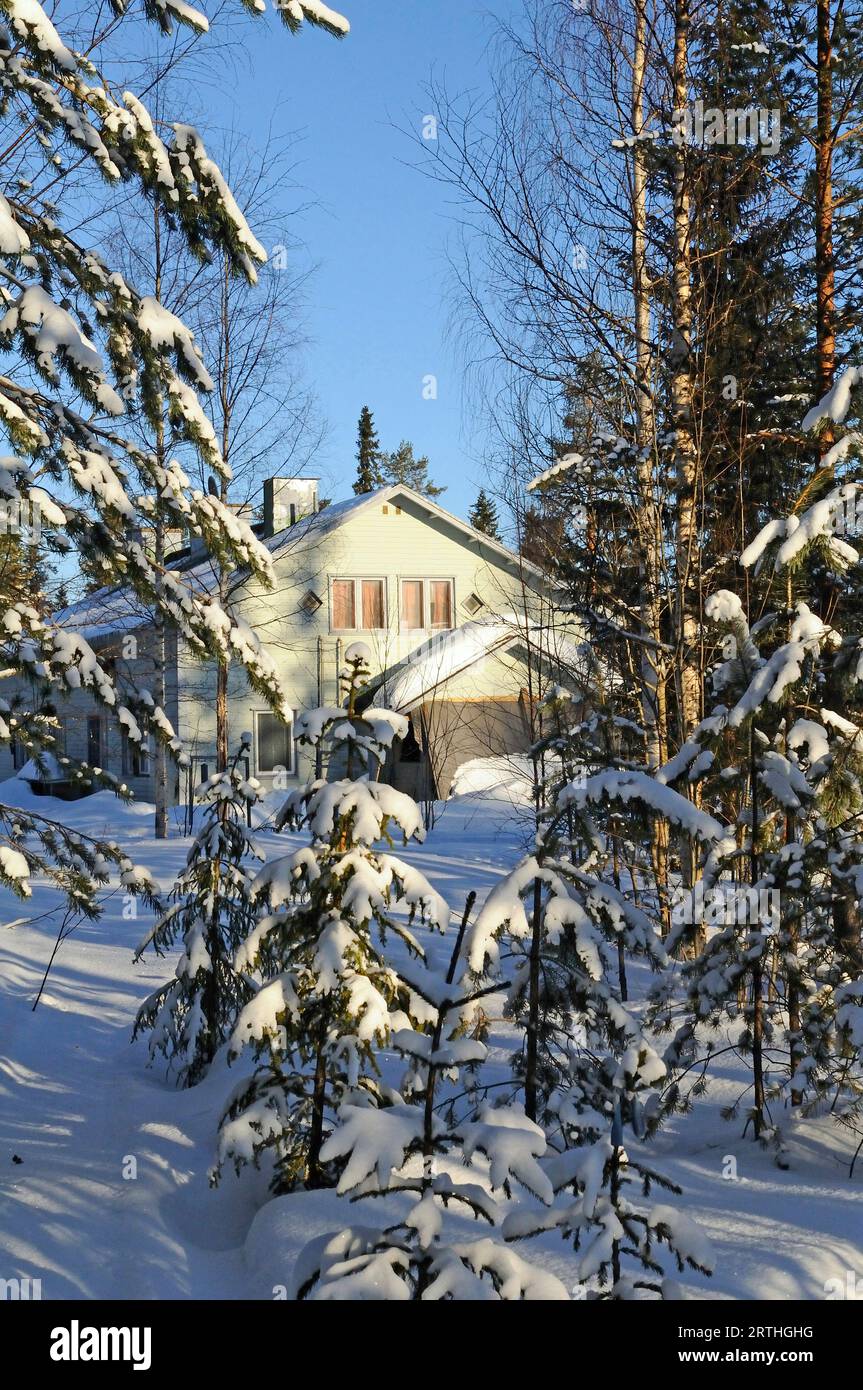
x: 111, y: 1199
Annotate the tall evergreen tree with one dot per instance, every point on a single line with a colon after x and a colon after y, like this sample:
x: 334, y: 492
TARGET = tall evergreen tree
x: 369, y: 474
x: 483, y: 515
x: 84, y: 350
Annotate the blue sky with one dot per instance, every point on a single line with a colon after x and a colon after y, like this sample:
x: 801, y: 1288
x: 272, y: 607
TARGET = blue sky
x: 378, y: 306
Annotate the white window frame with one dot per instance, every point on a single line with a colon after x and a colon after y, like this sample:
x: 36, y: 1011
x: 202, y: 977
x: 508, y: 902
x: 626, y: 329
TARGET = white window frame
x: 427, y: 580
x: 357, y: 581
x: 270, y: 772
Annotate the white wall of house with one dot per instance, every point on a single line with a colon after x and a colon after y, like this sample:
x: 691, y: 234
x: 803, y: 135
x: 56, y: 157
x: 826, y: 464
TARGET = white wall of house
x: 385, y: 543
x: 88, y: 731
x: 388, y: 542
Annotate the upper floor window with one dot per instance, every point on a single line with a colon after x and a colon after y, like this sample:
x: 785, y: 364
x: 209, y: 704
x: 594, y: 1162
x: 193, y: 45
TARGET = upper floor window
x: 426, y: 603
x: 358, y: 605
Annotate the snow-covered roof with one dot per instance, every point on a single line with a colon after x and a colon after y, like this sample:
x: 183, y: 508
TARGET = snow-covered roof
x: 49, y: 771
x: 410, y: 681
x: 444, y: 656
x: 103, y: 614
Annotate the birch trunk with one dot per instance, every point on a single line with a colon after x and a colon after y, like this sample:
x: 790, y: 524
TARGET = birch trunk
x: 653, y: 674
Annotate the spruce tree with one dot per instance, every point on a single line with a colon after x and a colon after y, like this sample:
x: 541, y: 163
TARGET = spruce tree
x: 559, y: 927
x: 328, y: 993
x: 91, y: 350
x: 369, y: 474
x: 619, y: 1240
x: 785, y: 770
x: 192, y: 1015
x: 416, y: 1146
x: 483, y: 516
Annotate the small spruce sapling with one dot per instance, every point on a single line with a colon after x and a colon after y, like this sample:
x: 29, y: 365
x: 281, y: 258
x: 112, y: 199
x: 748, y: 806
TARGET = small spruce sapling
x: 618, y: 1239
x: 411, y: 1149
x: 329, y: 992
x: 190, y: 1017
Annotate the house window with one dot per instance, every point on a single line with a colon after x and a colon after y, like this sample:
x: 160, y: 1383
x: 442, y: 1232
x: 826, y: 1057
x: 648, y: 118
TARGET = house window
x: 426, y: 603
x: 136, y: 759
x: 440, y: 603
x: 344, y: 604
x: 358, y: 605
x: 412, y: 603
x: 373, y: 604
x: 274, y: 743
x: 94, y: 741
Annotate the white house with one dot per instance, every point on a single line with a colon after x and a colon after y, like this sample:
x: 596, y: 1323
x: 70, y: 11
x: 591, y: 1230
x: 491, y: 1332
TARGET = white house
x: 463, y: 634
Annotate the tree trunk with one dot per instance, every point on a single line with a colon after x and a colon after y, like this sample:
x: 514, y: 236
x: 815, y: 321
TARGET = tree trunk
x: 649, y: 529
x: 226, y: 407
x: 689, y: 676
x: 758, y: 1099
x: 160, y: 752
x: 221, y: 715
x: 847, y: 926
x: 793, y: 983
x: 314, y: 1177
x: 824, y: 267
x: 531, y: 1078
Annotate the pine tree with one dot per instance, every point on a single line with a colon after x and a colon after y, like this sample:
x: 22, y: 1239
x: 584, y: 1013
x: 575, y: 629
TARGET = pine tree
x: 369, y: 474
x: 483, y: 516
x: 328, y: 995
x: 755, y: 336
x: 94, y: 351
x: 402, y: 467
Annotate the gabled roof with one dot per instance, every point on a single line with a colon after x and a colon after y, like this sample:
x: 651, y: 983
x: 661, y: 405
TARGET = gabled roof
x: 411, y: 681
x: 337, y: 513
x: 114, y: 610
x: 446, y: 654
